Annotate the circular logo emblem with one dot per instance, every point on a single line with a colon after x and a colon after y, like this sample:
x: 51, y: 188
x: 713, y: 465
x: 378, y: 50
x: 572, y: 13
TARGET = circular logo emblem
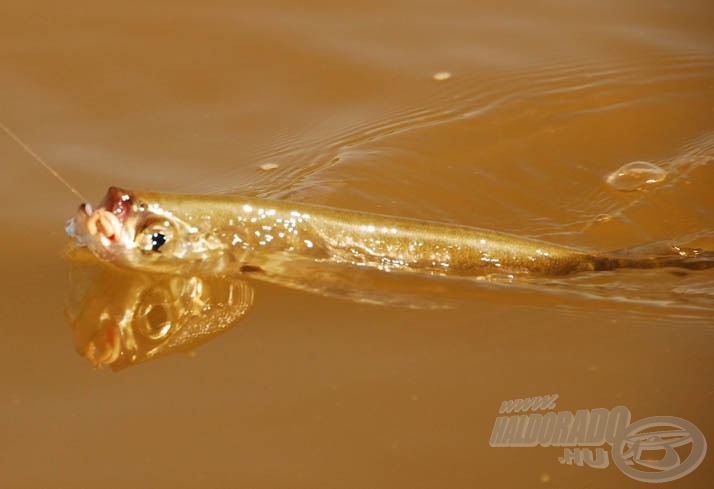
x: 646, y: 449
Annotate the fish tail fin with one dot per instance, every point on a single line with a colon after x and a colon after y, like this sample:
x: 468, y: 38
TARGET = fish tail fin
x: 656, y: 255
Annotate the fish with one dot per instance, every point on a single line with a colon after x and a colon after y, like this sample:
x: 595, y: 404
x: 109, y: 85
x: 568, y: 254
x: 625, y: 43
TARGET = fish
x: 228, y: 235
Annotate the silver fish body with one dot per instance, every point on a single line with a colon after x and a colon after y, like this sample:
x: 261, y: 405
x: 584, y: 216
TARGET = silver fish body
x: 227, y: 235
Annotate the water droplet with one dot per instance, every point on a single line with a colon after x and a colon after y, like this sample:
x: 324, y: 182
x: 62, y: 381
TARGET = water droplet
x: 636, y: 176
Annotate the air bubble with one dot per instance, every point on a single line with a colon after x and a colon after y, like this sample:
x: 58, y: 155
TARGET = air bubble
x: 637, y: 175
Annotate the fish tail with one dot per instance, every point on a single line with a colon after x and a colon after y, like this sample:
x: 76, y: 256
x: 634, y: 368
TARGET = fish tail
x: 655, y: 255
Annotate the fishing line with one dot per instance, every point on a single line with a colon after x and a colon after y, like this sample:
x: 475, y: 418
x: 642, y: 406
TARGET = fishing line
x: 41, y: 161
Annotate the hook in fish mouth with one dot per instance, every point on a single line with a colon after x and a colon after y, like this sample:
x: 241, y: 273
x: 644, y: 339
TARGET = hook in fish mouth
x: 104, y: 223
x: 92, y: 223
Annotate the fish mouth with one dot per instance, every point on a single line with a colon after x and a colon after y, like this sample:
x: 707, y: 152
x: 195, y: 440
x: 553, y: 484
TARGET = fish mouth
x: 105, y: 223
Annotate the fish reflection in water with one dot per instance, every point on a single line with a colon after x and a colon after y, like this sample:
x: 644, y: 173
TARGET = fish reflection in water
x: 121, y: 319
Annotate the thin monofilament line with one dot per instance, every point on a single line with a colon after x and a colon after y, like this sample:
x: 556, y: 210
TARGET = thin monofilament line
x: 41, y: 161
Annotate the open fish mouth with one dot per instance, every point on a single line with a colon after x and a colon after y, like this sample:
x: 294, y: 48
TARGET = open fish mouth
x: 101, y: 229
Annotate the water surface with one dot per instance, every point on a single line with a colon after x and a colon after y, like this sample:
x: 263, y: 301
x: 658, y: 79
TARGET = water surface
x: 310, y: 390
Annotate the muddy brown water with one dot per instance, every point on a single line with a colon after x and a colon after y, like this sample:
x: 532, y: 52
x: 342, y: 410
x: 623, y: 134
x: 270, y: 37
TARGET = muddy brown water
x: 341, y: 103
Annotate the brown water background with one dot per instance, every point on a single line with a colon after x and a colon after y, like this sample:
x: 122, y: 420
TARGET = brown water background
x: 543, y: 102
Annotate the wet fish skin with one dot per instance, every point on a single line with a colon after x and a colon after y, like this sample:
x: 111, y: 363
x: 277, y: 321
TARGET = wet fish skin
x: 225, y: 234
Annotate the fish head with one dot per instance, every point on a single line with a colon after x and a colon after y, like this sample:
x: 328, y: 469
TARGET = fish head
x: 136, y: 231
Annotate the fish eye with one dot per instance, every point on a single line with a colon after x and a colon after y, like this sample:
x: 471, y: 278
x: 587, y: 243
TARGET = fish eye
x: 157, y: 241
x: 155, y: 236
